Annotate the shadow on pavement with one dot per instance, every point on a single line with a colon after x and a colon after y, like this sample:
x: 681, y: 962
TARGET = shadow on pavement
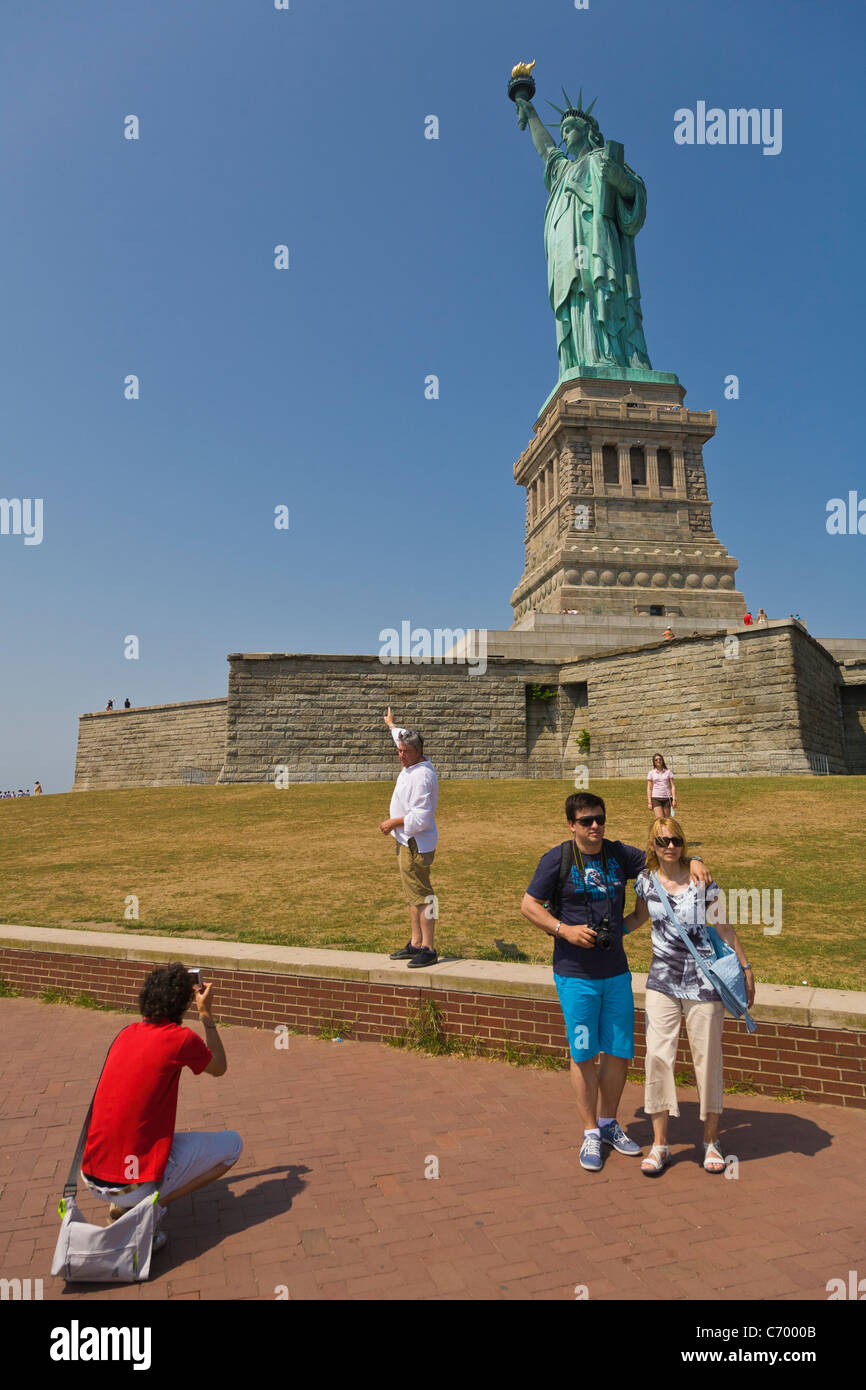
x: 219, y: 1213
x: 750, y: 1134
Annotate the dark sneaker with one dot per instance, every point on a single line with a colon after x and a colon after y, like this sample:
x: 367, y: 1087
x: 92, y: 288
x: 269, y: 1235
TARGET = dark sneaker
x: 612, y: 1134
x: 407, y: 952
x: 423, y: 957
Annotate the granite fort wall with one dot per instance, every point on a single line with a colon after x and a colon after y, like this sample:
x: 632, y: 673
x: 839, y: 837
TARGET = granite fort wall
x: 321, y: 716
x: 148, y: 747
x: 778, y: 691
x: 819, y: 692
x: 810, y: 1044
x: 853, y: 695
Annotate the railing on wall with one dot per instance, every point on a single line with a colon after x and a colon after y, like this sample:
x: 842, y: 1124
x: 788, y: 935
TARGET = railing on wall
x: 778, y: 764
x: 595, y: 766
x: 610, y: 768
x: 200, y: 776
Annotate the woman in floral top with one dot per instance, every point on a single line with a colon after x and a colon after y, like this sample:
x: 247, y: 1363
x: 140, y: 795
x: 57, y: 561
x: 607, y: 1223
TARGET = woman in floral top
x: 675, y: 988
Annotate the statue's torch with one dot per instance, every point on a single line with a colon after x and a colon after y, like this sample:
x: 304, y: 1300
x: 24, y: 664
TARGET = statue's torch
x: 522, y: 84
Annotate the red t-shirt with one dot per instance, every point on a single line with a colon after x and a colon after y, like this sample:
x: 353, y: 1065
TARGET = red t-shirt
x: 136, y: 1101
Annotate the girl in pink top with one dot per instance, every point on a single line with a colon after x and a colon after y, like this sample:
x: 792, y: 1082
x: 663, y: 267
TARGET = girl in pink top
x: 661, y: 793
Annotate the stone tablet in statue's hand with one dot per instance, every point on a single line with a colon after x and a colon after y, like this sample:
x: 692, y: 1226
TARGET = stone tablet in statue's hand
x: 614, y: 174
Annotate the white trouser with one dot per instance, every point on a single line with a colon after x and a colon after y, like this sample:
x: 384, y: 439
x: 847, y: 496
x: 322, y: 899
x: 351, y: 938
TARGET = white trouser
x: 192, y: 1154
x: 704, y: 1023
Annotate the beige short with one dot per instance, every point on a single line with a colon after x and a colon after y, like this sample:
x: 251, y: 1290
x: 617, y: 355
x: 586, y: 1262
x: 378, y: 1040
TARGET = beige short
x: 704, y: 1027
x: 415, y: 873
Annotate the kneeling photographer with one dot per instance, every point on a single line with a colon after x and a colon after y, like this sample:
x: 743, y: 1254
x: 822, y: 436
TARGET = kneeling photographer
x: 132, y: 1149
x: 582, y: 882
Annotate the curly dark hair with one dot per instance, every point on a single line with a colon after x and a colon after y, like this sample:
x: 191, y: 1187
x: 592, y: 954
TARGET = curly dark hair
x: 166, y: 993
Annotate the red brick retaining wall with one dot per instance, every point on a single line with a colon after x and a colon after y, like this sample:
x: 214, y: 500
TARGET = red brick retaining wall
x: 818, y: 1064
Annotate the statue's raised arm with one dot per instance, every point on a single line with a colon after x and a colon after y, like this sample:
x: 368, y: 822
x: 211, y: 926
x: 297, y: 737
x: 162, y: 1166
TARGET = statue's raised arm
x: 541, y: 137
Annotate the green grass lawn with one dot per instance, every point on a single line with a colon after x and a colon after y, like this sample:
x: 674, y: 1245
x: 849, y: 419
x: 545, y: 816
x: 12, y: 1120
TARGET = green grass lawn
x: 307, y: 866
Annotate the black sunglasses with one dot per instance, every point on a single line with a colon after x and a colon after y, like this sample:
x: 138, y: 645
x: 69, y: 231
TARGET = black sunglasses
x: 586, y: 821
x: 665, y: 840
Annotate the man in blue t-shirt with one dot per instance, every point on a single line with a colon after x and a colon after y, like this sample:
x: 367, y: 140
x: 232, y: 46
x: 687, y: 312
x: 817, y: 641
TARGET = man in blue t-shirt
x: 593, y: 981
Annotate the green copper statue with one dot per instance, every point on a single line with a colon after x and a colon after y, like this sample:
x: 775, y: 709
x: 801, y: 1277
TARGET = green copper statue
x: 596, y: 208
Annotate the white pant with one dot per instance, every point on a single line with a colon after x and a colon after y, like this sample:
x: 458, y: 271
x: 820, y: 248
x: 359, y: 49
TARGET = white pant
x: 704, y: 1022
x: 192, y: 1154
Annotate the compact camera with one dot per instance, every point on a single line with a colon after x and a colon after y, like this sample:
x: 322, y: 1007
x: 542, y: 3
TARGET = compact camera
x: 196, y: 977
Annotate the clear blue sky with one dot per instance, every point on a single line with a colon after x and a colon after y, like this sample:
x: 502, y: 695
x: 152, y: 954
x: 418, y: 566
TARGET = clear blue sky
x: 408, y: 256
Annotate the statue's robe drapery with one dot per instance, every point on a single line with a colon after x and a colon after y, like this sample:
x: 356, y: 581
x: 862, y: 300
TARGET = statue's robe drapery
x: 594, y: 291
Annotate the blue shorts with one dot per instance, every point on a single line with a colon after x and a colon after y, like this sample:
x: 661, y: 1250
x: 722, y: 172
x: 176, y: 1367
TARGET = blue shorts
x: 599, y: 1015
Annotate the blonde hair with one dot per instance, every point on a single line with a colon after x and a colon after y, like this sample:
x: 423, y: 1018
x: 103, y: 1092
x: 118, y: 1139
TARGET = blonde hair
x: 666, y: 826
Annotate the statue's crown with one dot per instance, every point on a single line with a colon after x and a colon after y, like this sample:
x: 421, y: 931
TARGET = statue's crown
x: 574, y: 110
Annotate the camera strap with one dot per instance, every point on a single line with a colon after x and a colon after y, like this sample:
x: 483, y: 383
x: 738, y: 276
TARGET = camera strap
x: 71, y: 1187
x: 580, y: 865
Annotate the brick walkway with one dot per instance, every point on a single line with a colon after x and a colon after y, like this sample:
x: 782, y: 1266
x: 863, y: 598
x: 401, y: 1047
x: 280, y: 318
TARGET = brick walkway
x: 330, y: 1199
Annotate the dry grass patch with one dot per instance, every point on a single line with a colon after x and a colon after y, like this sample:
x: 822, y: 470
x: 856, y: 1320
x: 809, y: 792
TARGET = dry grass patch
x: 307, y: 866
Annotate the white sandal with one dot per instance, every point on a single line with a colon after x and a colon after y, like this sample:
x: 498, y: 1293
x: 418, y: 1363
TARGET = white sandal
x: 720, y: 1157
x: 658, y: 1159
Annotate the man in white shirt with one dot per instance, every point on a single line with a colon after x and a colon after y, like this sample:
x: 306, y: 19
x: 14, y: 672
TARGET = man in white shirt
x: 413, y: 825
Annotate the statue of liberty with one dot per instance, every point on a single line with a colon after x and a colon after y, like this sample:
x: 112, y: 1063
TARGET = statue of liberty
x: 596, y: 207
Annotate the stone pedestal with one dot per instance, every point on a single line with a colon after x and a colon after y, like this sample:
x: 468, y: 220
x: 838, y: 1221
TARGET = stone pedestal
x: 618, y: 521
